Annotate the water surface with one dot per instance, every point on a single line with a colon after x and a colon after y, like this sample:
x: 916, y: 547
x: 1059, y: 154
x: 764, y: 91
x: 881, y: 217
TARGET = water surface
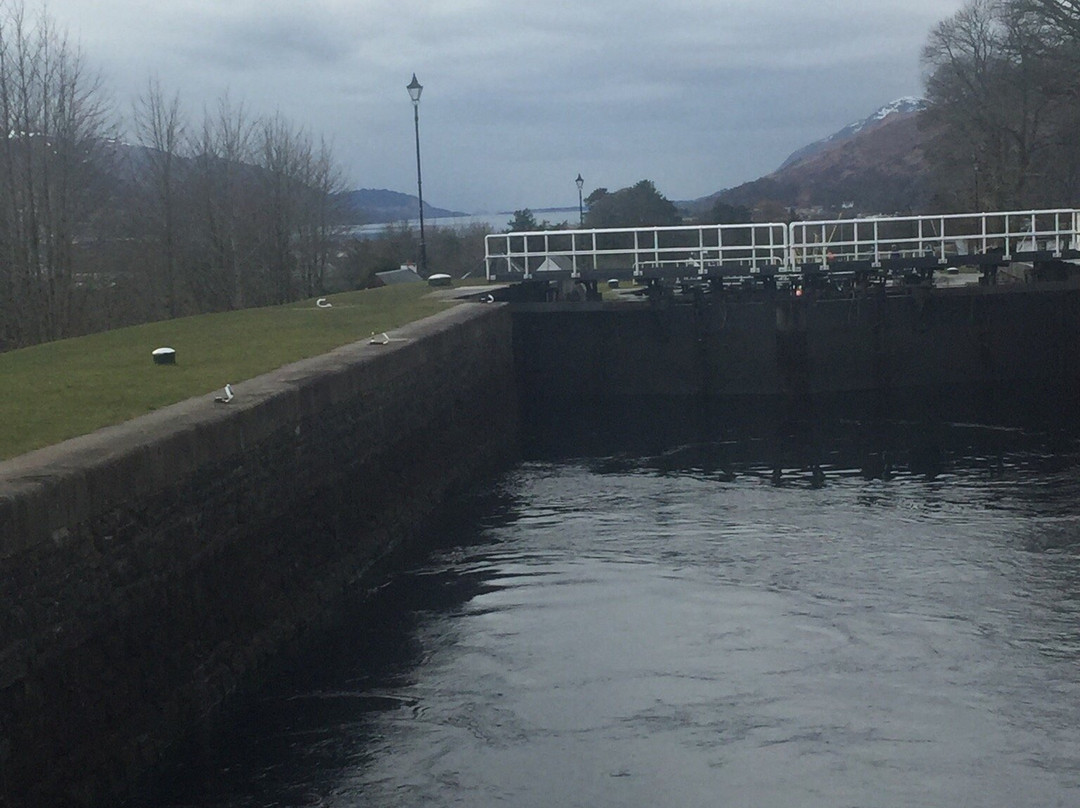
x: 878, y: 614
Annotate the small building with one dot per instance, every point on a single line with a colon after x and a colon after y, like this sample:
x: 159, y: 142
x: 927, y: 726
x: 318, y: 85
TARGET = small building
x: 406, y: 273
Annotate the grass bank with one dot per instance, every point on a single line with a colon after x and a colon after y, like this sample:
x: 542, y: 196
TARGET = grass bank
x: 59, y: 390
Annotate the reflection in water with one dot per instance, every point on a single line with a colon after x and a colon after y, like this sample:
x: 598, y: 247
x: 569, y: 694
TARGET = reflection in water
x: 661, y: 608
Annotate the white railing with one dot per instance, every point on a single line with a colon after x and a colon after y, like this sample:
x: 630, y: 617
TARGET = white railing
x: 945, y: 238
x: 748, y: 249
x: 692, y: 250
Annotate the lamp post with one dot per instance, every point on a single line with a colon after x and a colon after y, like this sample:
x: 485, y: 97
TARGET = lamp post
x: 580, y: 208
x: 975, y: 166
x: 414, y: 87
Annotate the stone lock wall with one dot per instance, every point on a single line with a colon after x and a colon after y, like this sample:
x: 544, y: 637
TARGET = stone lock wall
x: 993, y: 337
x: 148, y: 569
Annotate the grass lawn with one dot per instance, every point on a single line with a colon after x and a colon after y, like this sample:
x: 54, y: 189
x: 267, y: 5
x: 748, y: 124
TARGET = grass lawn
x: 59, y: 390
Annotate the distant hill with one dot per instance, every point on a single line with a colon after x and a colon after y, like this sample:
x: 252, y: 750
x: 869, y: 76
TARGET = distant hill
x: 885, y: 115
x: 875, y: 165
x: 120, y: 166
x: 377, y: 205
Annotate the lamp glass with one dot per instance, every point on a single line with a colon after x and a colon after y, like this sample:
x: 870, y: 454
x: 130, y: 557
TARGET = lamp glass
x: 415, y: 88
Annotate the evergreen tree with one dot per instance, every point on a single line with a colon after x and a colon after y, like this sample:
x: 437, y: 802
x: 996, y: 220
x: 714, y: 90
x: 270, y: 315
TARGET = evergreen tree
x: 640, y: 205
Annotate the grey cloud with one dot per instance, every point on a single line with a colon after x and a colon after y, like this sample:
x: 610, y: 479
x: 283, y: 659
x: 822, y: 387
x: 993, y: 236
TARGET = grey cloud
x: 520, y: 95
x: 254, y: 43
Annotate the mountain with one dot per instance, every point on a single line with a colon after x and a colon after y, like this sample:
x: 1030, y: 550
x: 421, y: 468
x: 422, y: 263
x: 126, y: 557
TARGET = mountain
x: 902, y: 106
x: 875, y: 165
x: 125, y: 162
x: 377, y: 205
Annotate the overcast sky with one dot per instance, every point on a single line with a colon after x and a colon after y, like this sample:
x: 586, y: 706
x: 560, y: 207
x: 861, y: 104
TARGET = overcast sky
x: 522, y: 95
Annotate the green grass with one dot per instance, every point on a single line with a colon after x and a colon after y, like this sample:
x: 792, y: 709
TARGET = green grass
x: 59, y: 390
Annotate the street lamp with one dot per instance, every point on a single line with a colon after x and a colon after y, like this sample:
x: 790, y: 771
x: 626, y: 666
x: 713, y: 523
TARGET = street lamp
x: 414, y: 87
x: 580, y: 208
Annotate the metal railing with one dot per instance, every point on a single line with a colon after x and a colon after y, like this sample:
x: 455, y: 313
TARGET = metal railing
x: 945, y: 238
x: 747, y: 249
x: 683, y: 251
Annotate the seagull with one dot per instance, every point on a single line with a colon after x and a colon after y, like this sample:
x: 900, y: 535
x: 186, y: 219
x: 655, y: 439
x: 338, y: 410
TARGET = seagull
x: 225, y: 399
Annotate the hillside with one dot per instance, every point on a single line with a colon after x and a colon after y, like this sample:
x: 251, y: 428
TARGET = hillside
x: 875, y: 165
x: 883, y: 116
x: 377, y: 205
x: 120, y: 166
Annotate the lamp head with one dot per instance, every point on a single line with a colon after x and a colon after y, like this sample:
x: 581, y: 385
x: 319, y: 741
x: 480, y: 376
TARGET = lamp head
x: 414, y: 89
x: 579, y: 181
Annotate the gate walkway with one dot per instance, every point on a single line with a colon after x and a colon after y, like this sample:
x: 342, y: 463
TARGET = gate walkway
x: 788, y: 254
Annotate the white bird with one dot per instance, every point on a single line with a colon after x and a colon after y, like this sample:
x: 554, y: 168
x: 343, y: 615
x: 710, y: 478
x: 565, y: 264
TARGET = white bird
x: 225, y: 399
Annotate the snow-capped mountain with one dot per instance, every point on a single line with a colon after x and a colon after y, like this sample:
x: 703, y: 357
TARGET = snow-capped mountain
x: 873, y: 165
x: 901, y: 106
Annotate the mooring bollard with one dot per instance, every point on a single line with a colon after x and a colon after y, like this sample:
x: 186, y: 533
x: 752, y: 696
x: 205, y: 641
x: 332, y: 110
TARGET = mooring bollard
x: 164, y: 356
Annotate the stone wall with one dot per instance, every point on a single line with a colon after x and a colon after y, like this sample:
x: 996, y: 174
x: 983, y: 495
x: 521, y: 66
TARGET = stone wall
x: 147, y: 571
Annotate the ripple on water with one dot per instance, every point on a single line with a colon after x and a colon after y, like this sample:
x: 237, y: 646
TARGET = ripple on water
x: 630, y: 634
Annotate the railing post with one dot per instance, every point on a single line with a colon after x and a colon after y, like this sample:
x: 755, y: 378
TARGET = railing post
x: 701, y: 249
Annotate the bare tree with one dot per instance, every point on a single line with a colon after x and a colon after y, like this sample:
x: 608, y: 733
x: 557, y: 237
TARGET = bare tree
x: 281, y: 155
x: 224, y: 198
x: 53, y: 120
x: 298, y: 180
x: 321, y: 183
x: 161, y: 130
x: 998, y: 93
x: 234, y: 214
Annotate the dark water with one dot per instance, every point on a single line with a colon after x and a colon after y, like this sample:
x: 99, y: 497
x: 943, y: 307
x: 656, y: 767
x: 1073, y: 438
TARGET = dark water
x: 823, y: 612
